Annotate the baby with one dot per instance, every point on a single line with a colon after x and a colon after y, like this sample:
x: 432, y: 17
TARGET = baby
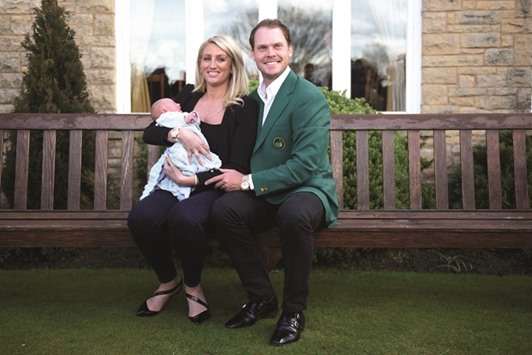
x: 167, y: 113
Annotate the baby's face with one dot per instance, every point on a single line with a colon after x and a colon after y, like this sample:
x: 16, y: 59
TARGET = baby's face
x: 177, y: 107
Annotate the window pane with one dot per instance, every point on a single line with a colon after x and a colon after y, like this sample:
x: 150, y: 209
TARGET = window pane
x: 157, y: 50
x: 310, y: 24
x: 235, y: 18
x: 378, y: 52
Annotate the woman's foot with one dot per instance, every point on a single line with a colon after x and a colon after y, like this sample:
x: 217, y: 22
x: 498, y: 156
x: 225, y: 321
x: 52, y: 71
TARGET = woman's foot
x: 153, y: 305
x: 198, y: 309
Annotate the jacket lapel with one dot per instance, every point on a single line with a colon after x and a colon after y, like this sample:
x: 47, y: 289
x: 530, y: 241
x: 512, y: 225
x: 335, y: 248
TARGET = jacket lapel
x: 282, y: 99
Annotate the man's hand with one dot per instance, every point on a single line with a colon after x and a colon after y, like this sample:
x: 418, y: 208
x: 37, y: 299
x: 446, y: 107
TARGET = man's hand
x: 228, y: 180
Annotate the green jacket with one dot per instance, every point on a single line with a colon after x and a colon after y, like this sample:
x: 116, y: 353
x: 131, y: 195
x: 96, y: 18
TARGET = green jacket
x: 291, y: 151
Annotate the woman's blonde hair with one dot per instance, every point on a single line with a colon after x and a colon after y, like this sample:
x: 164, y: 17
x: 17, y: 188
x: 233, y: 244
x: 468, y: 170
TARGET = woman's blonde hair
x: 238, y: 79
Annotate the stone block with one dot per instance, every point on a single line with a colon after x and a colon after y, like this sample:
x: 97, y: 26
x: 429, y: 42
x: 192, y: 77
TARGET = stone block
x: 441, y: 5
x: 524, y: 98
x: 102, y: 57
x: 100, y: 76
x: 434, y: 22
x: 519, y: 77
x: 508, y: 102
x: 523, y: 50
x: 459, y: 60
x: 96, y: 6
x: 491, y: 81
x: 7, y: 96
x: 435, y: 95
x: 467, y: 81
x: 478, y: 17
x: 21, y: 25
x: 496, y: 5
x: 441, y: 44
x: 499, y: 56
x: 10, y: 62
x: 18, y: 6
x: 517, y: 25
x: 480, y: 40
x: 440, y: 76
x: 104, y: 24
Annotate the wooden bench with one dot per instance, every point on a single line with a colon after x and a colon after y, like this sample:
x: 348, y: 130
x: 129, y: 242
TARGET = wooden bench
x: 358, y: 226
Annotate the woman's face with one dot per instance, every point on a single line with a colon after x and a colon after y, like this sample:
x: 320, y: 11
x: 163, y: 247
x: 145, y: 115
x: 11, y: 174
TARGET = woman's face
x: 215, y: 65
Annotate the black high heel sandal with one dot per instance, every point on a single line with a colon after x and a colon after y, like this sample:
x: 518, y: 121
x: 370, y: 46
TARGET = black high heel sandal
x: 203, y: 316
x: 144, y: 311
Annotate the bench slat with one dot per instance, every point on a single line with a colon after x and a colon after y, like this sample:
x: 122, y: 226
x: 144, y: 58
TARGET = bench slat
x: 388, y: 169
x: 440, y: 170
x: 494, y: 169
x: 48, y: 169
x: 521, y: 181
x: 126, y: 180
x: 100, y: 170
x: 362, y: 151
x: 74, y: 170
x: 1, y: 154
x: 414, y: 169
x: 337, y: 162
x: 21, y: 170
x: 467, y: 170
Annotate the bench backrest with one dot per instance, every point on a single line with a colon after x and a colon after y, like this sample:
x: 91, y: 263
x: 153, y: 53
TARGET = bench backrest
x: 413, y: 126
x: 126, y: 127
x: 438, y: 127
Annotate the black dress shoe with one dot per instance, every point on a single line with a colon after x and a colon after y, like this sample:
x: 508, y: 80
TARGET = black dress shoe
x: 289, y: 328
x: 252, y: 312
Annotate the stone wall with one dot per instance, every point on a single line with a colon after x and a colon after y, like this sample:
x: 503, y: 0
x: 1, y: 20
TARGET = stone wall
x: 93, y: 22
x: 477, y: 56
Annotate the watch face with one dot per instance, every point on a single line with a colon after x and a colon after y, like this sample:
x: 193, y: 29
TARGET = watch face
x: 244, y: 185
x: 174, y: 133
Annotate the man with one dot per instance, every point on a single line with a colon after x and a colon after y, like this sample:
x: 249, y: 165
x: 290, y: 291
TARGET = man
x: 291, y: 186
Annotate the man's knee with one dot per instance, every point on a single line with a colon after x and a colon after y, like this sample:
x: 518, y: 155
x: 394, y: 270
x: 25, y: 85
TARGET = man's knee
x: 302, y: 210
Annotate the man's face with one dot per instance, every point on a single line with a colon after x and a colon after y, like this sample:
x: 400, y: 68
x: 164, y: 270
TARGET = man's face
x: 271, y: 53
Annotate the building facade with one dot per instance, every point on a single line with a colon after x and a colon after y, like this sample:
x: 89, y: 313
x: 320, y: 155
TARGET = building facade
x: 475, y: 55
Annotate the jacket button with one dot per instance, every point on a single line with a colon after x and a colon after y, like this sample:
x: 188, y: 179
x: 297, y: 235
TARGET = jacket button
x: 263, y: 189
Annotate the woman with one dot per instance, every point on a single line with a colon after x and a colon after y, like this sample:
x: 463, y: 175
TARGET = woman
x: 159, y: 221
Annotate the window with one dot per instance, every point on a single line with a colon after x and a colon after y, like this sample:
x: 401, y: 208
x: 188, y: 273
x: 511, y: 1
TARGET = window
x: 369, y: 48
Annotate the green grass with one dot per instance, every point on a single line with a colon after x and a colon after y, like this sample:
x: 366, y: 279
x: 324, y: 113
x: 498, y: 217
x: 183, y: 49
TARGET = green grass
x: 91, y: 311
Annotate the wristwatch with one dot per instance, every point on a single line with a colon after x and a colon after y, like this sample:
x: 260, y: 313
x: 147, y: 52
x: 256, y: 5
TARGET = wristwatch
x: 174, y: 133
x: 244, y: 184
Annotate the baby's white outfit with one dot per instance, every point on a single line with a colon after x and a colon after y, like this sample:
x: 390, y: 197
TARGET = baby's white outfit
x: 157, y: 179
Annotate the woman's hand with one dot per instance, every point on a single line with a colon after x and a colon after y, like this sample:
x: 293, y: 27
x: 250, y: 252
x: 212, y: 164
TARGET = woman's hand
x: 228, y: 180
x: 173, y: 171
x: 194, y: 146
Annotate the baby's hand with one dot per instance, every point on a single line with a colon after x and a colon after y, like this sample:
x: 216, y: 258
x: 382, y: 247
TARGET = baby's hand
x: 192, y: 117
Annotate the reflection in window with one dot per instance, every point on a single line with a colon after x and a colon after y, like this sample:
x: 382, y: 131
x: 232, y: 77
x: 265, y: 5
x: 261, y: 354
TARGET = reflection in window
x: 236, y: 19
x: 310, y: 24
x: 157, y: 50
x: 378, y: 52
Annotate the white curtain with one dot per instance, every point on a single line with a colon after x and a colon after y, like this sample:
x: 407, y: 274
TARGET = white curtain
x: 391, y: 20
x: 141, y: 22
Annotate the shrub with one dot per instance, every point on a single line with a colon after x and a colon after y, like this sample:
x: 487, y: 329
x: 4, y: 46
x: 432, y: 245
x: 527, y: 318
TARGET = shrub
x: 480, y: 160
x: 54, y: 83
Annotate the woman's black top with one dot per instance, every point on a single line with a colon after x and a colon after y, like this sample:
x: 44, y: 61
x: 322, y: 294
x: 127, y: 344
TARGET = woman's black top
x: 232, y: 140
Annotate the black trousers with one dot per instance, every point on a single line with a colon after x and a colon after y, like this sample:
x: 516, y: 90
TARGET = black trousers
x: 159, y: 222
x: 237, y: 216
